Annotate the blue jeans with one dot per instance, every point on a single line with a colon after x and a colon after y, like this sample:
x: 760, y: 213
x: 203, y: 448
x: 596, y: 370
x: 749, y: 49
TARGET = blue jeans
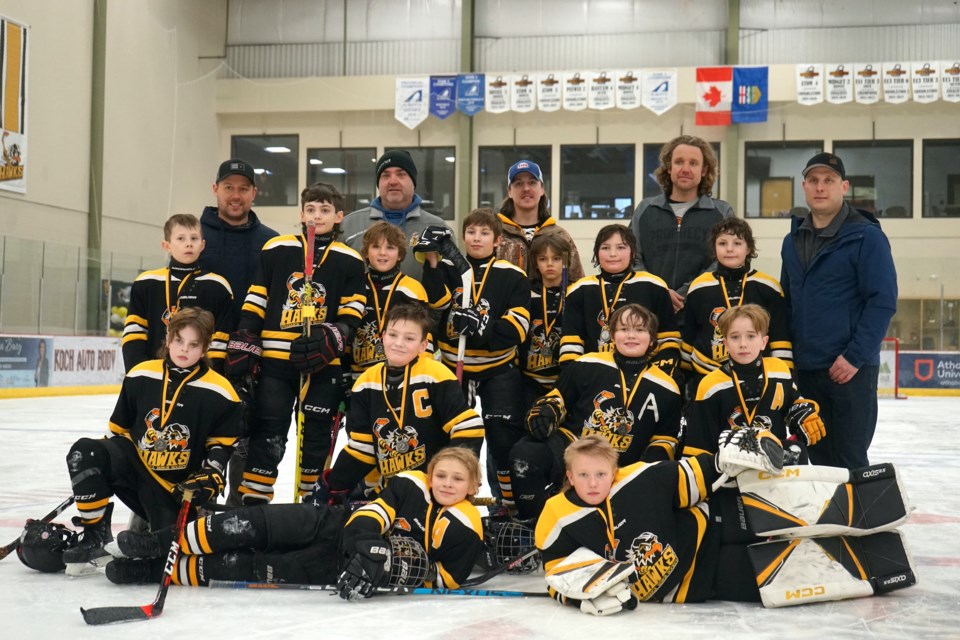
x: 849, y: 413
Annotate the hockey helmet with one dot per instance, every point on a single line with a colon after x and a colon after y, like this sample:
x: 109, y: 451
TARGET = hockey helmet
x: 512, y: 540
x: 409, y: 564
x: 42, y: 545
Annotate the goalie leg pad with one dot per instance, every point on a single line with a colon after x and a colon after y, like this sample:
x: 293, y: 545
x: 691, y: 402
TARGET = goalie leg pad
x: 807, y: 501
x: 806, y: 570
x: 584, y: 575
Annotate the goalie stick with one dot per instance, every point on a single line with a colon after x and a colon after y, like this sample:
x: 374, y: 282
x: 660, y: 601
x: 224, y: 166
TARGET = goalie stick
x: 60, y: 508
x: 308, y: 314
x: 114, y: 615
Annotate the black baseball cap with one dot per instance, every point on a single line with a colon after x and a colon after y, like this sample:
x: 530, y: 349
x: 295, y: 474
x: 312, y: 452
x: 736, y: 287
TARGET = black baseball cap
x: 827, y: 161
x: 236, y: 167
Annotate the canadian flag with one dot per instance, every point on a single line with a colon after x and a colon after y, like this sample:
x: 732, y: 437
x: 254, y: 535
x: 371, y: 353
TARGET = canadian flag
x: 714, y: 95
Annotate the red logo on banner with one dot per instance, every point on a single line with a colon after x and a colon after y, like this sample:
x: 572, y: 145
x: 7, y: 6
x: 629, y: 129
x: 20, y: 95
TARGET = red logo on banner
x: 916, y: 369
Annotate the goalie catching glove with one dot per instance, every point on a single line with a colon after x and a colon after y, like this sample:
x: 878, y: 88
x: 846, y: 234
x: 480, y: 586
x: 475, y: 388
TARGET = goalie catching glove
x: 751, y: 448
x: 367, y: 569
x: 803, y: 420
x: 602, y: 586
x: 206, y: 484
x: 544, y: 417
x: 310, y: 354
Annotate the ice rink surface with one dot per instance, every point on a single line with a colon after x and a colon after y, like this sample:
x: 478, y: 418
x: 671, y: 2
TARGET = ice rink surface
x: 919, y: 435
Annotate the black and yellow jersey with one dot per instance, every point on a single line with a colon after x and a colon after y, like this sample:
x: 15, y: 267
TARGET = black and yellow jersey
x: 593, y: 299
x: 273, y: 307
x: 177, y: 418
x: 157, y: 294
x: 638, y: 415
x: 709, y: 296
x: 724, y: 401
x: 382, y: 291
x: 398, y: 426
x: 540, y: 352
x: 655, y: 517
x: 452, y: 536
x: 501, y: 294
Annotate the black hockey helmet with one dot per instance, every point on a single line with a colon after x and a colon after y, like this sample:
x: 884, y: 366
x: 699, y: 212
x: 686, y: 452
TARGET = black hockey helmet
x: 42, y: 545
x: 512, y: 540
x: 409, y: 564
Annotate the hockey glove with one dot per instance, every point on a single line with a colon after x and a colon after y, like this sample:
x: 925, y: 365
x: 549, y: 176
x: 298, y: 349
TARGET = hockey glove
x: 244, y: 350
x: 206, y: 484
x: 367, y: 569
x: 431, y: 239
x: 544, y: 417
x: 752, y: 448
x: 324, y: 495
x: 803, y: 420
x: 468, y: 322
x: 310, y: 354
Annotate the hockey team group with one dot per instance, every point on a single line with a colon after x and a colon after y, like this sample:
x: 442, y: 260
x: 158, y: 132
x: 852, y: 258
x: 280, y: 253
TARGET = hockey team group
x: 679, y: 427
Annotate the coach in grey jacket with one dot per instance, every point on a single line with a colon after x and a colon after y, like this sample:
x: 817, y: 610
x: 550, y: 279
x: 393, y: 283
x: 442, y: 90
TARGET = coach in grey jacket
x: 397, y: 204
x: 672, y: 228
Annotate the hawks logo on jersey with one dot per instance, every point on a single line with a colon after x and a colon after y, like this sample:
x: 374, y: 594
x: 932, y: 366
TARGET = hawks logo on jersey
x: 718, y: 351
x: 543, y: 348
x: 398, y: 448
x: 164, y: 448
x: 654, y: 563
x: 610, y: 420
x: 603, y: 342
x: 737, y: 420
x: 367, y: 345
x: 292, y: 314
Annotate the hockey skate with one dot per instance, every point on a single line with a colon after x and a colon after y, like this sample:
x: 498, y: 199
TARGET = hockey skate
x: 89, y: 554
x: 130, y: 571
x: 135, y: 544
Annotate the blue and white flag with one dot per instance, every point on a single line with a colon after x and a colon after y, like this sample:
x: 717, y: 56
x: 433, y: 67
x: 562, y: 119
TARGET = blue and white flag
x: 749, y: 94
x: 470, y: 93
x: 443, y: 96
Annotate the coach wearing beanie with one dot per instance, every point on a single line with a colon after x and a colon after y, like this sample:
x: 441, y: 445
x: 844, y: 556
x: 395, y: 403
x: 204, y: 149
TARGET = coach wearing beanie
x: 397, y: 204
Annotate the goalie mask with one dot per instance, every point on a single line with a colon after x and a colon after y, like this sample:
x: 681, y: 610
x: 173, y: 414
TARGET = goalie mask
x: 512, y: 540
x: 409, y: 564
x: 42, y: 545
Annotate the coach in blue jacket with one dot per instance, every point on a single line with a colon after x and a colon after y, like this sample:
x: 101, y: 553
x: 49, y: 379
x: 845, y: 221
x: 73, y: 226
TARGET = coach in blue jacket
x: 841, y: 286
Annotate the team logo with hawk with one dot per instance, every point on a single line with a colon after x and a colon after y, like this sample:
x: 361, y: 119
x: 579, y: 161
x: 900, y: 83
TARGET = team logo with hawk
x: 164, y: 447
x: 610, y: 420
x: 298, y: 296
x: 368, y: 345
x: 398, y: 447
x: 654, y: 561
x: 543, y: 348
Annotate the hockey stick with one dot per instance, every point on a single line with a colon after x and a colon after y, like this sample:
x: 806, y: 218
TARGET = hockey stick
x: 415, y: 591
x: 114, y: 615
x: 334, y: 432
x: 466, y: 279
x: 308, y: 313
x: 60, y: 508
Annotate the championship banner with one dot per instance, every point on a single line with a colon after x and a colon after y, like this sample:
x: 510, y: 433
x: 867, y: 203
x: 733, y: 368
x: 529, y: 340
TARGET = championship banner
x: 809, y: 84
x: 867, y: 82
x: 523, y: 95
x: 839, y: 83
x: 659, y: 90
x: 13, y: 106
x: 714, y: 96
x: 442, y: 96
x: 749, y: 94
x: 574, y: 91
x: 628, y: 90
x: 498, y: 94
x: 601, y: 93
x: 412, y: 101
x: 950, y: 80
x: 925, y: 81
x: 549, y: 92
x: 470, y: 93
x: 896, y: 82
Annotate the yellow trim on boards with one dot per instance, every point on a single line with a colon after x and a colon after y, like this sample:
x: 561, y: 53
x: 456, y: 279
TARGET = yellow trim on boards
x: 43, y: 392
